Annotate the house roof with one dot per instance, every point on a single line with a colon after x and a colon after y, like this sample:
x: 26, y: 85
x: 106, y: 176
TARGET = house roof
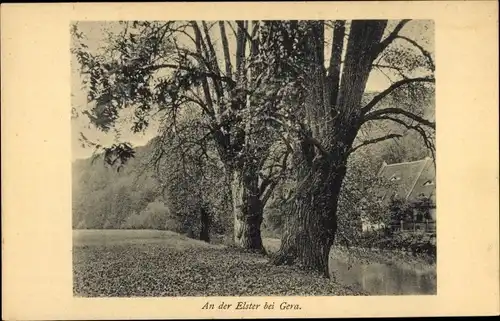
x: 410, y: 180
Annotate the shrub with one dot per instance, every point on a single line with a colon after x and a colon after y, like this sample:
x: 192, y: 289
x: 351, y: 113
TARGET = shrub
x: 415, y: 242
x: 156, y: 215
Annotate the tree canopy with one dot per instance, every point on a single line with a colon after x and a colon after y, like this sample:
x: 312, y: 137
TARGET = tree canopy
x: 260, y: 103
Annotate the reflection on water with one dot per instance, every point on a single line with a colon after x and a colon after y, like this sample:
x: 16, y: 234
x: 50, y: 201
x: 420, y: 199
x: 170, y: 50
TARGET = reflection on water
x: 385, y: 279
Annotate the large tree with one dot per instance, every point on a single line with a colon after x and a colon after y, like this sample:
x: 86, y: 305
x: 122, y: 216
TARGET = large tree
x: 329, y: 113
x: 162, y: 68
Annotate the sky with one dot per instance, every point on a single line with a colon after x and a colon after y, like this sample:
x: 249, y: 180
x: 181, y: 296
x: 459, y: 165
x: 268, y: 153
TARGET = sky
x: 422, y: 31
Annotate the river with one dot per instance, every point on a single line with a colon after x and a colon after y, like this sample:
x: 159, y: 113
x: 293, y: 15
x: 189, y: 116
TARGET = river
x: 385, y: 278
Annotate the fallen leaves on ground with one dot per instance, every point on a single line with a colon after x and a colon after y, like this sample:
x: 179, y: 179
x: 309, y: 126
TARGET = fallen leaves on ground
x: 182, y: 267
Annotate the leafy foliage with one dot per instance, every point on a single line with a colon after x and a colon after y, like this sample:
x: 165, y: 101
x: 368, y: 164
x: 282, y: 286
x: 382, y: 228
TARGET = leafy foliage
x: 245, y: 120
x: 417, y: 243
x: 385, y: 237
x: 155, y: 216
x: 410, y: 211
x: 192, y: 177
x: 359, y: 198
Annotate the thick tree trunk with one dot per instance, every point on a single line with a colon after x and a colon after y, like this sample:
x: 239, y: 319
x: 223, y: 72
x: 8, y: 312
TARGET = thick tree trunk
x: 247, y: 207
x: 311, y: 225
x: 248, y: 211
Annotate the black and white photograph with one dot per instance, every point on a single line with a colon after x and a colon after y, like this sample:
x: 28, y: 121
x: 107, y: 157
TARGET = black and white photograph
x: 253, y: 158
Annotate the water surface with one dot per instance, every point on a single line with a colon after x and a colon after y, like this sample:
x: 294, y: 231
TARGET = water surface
x: 388, y: 278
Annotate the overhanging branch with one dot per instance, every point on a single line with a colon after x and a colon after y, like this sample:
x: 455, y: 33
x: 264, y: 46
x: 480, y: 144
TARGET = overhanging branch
x: 381, y: 68
x: 391, y: 88
x: 398, y: 111
x: 375, y: 140
x: 427, y: 140
x: 422, y: 50
x: 390, y: 38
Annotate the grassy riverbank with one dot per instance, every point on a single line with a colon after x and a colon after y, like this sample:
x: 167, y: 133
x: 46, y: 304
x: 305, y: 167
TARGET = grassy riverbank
x: 375, y: 255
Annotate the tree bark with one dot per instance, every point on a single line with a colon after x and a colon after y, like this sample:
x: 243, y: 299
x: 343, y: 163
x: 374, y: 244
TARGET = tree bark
x: 310, y: 228
x: 312, y: 223
x: 248, y: 210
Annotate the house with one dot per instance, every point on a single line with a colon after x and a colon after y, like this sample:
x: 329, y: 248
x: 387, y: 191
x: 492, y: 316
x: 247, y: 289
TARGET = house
x: 409, y: 181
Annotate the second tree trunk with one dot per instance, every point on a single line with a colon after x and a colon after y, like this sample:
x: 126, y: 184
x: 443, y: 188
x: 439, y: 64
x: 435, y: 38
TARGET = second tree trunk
x: 248, y: 211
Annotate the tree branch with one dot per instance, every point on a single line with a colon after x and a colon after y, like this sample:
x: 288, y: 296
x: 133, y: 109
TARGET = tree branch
x: 194, y: 70
x: 202, y: 105
x: 336, y: 60
x: 240, y: 46
x: 428, y: 142
x: 374, y: 141
x: 225, y: 47
x: 390, y: 38
x: 205, y: 86
x: 232, y: 29
x: 255, y: 29
x: 269, y: 191
x: 307, y: 138
x: 396, y: 69
x: 377, y: 113
x: 391, y: 88
x: 254, y: 41
x: 212, y: 57
x: 422, y: 50
x: 269, y: 184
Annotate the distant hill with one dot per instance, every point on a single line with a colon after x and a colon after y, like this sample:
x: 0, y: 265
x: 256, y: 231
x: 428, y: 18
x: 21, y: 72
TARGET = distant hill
x: 104, y: 198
